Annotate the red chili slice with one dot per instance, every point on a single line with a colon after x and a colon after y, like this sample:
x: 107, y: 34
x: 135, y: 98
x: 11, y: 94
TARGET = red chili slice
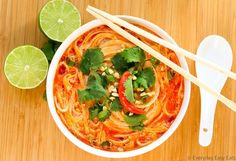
x: 123, y: 100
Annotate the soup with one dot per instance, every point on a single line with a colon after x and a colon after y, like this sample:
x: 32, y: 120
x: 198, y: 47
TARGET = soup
x: 114, y: 96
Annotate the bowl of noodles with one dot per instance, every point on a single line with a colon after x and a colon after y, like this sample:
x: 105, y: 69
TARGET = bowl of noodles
x: 111, y: 98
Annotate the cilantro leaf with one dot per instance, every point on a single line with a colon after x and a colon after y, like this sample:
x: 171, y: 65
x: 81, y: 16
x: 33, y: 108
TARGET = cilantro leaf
x: 104, y: 81
x: 142, y: 82
x: 155, y: 61
x: 134, y: 72
x: 70, y: 62
x: 103, y: 115
x: 134, y: 54
x: 146, y: 78
x: 135, y: 84
x: 48, y: 50
x: 116, y: 105
x: 97, y: 111
x: 93, y: 111
x: 105, y: 143
x: 94, y: 90
x: 85, y: 95
x: 45, y: 96
x: 137, y: 127
x: 91, y: 60
x: 97, y: 91
x: 120, y: 64
x: 148, y: 74
x: 56, y: 45
x: 110, y: 78
x: 94, y: 78
x: 134, y: 120
x: 129, y: 94
x: 127, y: 58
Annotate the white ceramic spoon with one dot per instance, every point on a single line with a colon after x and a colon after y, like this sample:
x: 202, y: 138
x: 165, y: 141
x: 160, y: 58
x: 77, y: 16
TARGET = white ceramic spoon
x: 217, y: 50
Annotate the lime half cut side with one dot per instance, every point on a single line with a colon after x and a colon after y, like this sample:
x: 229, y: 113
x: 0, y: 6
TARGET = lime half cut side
x: 26, y: 67
x: 58, y: 19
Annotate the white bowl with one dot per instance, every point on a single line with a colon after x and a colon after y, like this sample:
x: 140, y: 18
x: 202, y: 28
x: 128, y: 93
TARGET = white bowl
x: 76, y: 141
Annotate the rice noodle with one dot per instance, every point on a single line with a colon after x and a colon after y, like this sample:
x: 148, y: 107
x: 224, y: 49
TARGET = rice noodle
x: 75, y: 115
x: 153, y: 99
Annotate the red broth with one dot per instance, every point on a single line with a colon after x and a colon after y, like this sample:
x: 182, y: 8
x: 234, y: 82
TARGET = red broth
x: 114, y: 133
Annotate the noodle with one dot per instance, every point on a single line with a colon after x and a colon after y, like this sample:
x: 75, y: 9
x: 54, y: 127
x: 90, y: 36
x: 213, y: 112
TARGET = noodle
x: 160, y: 112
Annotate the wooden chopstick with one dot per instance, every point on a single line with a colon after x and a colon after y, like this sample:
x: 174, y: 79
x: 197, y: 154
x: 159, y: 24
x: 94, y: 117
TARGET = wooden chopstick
x: 165, y: 43
x: 163, y: 59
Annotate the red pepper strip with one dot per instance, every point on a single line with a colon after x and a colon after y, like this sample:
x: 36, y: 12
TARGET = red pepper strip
x: 123, y: 100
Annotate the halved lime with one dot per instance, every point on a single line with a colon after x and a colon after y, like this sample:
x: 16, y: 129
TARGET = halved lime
x: 26, y: 67
x: 58, y: 19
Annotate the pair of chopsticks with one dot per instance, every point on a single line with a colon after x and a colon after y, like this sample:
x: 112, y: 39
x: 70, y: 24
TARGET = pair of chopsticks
x: 111, y: 21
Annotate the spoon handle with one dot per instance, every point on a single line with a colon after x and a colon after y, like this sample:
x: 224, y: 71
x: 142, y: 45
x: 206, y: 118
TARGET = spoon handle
x: 208, y: 106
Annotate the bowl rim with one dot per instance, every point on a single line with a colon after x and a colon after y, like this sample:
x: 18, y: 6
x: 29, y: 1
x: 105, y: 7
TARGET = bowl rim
x: 88, y: 148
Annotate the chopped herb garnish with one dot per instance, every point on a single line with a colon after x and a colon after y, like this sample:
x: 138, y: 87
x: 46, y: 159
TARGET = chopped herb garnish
x: 91, y: 60
x: 48, y: 50
x: 70, y: 62
x: 145, y: 78
x: 103, y: 115
x: 120, y: 64
x: 105, y: 143
x: 85, y: 95
x: 155, y: 61
x: 135, y: 84
x: 137, y: 127
x: 170, y: 74
x: 135, y: 122
x: 135, y: 72
x: 56, y: 46
x: 97, y: 111
x: 104, y: 81
x: 45, y: 95
x: 127, y: 59
x: 93, y: 111
x: 94, y: 78
x: 110, y: 78
x: 107, y: 71
x: 97, y: 91
x: 116, y: 105
x: 129, y: 94
x: 141, y: 82
x: 134, y: 54
x: 94, y: 90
